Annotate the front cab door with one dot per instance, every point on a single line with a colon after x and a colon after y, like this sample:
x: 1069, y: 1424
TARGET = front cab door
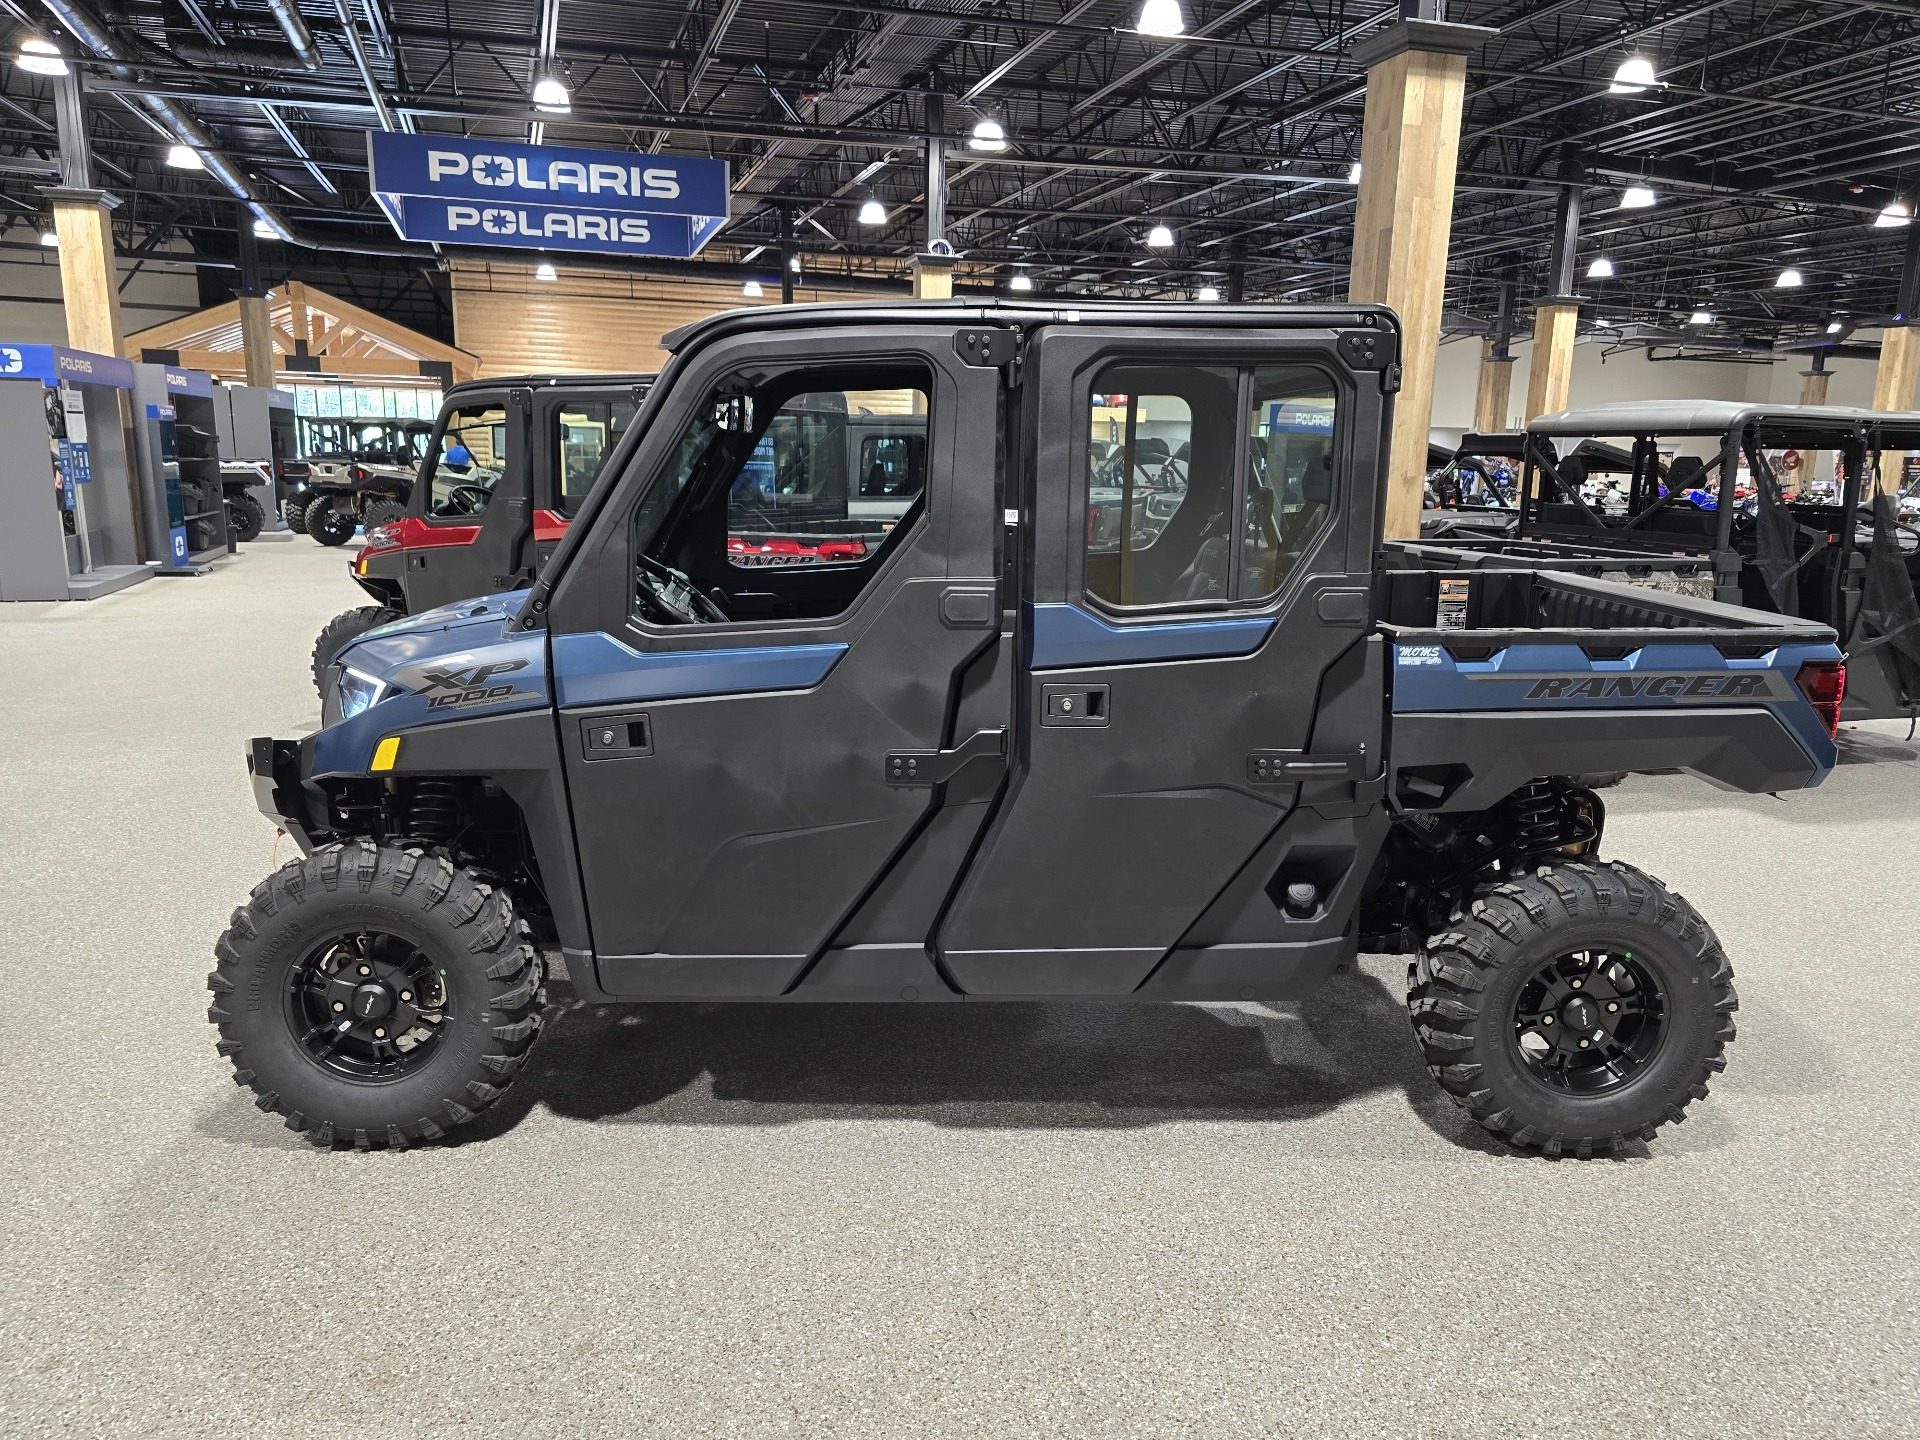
x: 738, y: 650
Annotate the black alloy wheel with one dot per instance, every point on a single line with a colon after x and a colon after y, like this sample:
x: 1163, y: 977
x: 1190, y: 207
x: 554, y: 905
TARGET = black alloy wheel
x: 1589, y: 1021
x: 368, y: 1005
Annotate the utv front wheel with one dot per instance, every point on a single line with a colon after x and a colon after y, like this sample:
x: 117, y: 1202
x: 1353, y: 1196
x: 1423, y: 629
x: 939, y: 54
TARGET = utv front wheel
x: 375, y: 996
x: 347, y: 625
x: 295, y: 513
x: 247, y: 516
x: 1576, y: 1008
x: 328, y: 523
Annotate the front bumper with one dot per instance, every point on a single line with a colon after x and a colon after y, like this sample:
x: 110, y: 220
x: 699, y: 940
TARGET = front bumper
x: 278, y: 768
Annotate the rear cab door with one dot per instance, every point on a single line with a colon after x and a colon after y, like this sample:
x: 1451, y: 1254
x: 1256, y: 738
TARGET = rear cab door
x: 577, y: 426
x: 473, y: 476
x: 1199, y: 710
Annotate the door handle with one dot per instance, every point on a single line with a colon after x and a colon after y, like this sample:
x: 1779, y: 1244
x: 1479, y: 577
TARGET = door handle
x: 616, y: 737
x: 1075, y: 706
x: 936, y: 767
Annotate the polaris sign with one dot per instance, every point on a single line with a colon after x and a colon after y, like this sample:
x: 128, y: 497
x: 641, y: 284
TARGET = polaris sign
x: 456, y: 191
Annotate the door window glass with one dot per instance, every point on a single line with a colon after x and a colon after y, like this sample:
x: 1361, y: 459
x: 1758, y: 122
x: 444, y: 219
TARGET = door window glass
x: 1160, y: 484
x: 589, y: 429
x: 473, y: 453
x: 1190, y: 498
x: 784, y: 495
x: 1290, y: 474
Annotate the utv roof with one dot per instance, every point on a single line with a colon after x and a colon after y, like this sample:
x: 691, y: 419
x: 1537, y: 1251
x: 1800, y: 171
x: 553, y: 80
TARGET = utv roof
x: 536, y: 382
x: 1027, y: 313
x: 1713, y: 417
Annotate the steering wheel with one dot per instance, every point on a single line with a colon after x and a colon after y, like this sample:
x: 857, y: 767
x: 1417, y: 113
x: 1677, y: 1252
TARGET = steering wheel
x: 674, y: 595
x: 467, y: 499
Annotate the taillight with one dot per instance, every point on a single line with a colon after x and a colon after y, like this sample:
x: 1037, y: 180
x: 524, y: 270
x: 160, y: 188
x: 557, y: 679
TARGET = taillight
x: 1824, y: 683
x: 359, y: 472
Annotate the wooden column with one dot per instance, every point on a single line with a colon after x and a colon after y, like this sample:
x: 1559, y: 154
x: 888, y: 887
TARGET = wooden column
x: 1893, y: 382
x: 1813, y: 386
x: 1409, y: 149
x: 1550, y: 374
x: 256, y: 328
x: 89, y: 278
x: 932, y: 277
x: 1496, y: 389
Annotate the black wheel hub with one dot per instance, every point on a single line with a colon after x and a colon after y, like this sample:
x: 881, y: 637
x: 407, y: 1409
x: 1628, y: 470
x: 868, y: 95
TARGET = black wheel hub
x: 1589, y: 1021
x: 368, y: 1005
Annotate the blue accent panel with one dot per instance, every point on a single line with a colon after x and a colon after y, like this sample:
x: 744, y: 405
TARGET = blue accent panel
x: 1065, y: 637
x: 1428, y: 678
x: 347, y: 748
x: 596, y: 669
x: 52, y: 364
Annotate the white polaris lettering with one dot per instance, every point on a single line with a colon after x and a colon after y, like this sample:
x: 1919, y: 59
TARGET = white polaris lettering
x: 567, y: 172
x: 560, y: 223
x: 593, y: 227
x: 527, y: 227
x: 634, y: 232
x: 661, y: 185
x: 442, y: 163
x: 496, y: 221
x: 460, y: 216
x: 527, y: 182
x: 607, y: 177
x: 492, y: 170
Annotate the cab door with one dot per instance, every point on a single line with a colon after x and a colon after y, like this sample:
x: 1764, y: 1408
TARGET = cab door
x: 472, y: 500
x: 577, y: 428
x: 1203, y: 525
x: 757, y: 692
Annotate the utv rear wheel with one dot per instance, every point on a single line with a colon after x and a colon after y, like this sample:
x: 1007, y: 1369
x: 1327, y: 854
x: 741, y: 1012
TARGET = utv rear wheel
x: 248, y: 517
x: 295, y: 511
x: 382, y: 512
x: 1575, y: 1009
x: 347, y: 625
x: 328, y: 523
x: 375, y: 996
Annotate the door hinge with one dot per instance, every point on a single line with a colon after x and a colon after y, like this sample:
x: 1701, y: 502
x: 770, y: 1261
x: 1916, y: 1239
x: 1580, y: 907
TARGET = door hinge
x: 989, y: 348
x: 936, y: 767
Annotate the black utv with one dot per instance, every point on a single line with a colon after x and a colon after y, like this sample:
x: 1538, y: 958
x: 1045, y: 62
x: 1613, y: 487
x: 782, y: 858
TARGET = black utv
x: 1003, y: 751
x: 368, y: 483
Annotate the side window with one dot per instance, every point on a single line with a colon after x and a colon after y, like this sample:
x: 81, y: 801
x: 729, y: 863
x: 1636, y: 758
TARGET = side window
x: 784, y: 496
x: 1290, y: 477
x: 472, y: 455
x: 589, y: 429
x: 1190, y: 498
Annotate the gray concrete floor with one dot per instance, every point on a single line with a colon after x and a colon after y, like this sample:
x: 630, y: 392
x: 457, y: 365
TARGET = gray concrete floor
x: 1005, y: 1220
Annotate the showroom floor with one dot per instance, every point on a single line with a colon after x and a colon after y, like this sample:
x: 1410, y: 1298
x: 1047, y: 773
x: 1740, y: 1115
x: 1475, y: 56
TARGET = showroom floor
x: 1069, y: 1220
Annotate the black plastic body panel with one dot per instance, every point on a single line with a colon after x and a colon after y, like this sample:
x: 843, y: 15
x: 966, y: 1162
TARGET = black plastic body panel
x: 1745, y: 749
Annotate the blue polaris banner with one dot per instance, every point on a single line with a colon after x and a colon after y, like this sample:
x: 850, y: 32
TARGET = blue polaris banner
x: 546, y: 197
x: 56, y: 365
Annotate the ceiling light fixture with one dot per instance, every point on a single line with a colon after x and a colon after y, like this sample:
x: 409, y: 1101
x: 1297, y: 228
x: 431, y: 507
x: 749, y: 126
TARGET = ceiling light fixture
x: 988, y: 135
x: 40, y: 57
x: 1159, y: 238
x: 1633, y: 77
x: 1897, y: 213
x: 267, y: 230
x: 1600, y: 269
x: 1208, y: 295
x: 1161, y: 17
x: 1789, y: 278
x: 1834, y: 327
x: 793, y: 263
x: 1020, y: 280
x: 184, y: 157
x: 752, y: 290
x: 1700, y: 317
x: 545, y: 271
x: 873, y: 213
x: 1637, y: 197
x: 47, y: 237
x: 551, y: 96
x: 1353, y: 175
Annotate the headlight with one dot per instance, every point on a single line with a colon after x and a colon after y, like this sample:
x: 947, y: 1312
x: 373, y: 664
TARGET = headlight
x: 357, y: 691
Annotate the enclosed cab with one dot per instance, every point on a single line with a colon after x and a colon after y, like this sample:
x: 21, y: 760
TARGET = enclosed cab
x: 1121, y: 704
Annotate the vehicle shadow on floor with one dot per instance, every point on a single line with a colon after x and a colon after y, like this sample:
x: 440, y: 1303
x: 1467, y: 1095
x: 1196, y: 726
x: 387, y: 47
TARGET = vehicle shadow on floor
x: 994, y: 1065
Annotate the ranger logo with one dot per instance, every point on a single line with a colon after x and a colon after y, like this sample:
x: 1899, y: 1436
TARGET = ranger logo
x: 1748, y: 685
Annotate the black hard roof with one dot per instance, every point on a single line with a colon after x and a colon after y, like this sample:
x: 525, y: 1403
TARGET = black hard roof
x: 537, y: 382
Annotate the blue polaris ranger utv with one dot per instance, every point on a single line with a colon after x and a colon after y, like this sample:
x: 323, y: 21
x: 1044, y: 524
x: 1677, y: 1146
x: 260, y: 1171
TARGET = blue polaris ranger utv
x: 1116, y: 695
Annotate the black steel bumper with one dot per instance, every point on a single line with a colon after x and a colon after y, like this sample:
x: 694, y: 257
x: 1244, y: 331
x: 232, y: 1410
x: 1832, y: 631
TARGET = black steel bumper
x: 279, y: 788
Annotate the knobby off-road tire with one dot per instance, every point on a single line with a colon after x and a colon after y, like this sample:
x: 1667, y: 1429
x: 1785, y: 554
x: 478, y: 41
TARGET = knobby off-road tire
x: 382, y: 512
x: 249, y: 517
x: 347, y: 625
x: 1546, y: 954
x: 487, y: 994
x: 328, y: 523
x: 295, y: 513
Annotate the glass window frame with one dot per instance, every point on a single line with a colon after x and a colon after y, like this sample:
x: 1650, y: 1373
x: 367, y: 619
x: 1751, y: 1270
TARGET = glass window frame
x: 919, y: 518
x: 1245, y: 365
x: 436, y: 448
